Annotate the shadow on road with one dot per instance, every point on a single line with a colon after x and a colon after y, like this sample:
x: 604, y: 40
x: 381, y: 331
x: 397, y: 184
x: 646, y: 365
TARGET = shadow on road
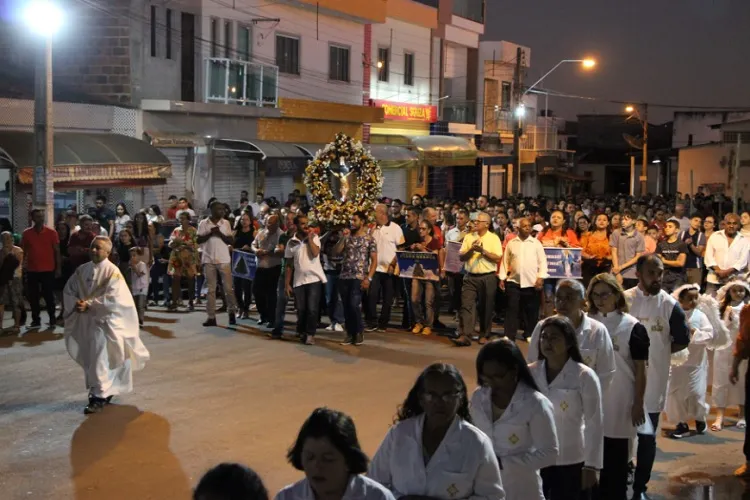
x: 157, y: 331
x: 155, y: 319
x: 32, y: 338
x: 124, y: 453
x: 699, y: 486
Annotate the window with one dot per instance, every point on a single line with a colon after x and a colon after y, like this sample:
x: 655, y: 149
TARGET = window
x: 287, y: 54
x: 338, y: 64
x: 472, y: 10
x: 227, y: 39
x: 214, y: 37
x: 505, y: 97
x: 153, y: 31
x: 169, y: 33
x: 384, y: 62
x: 244, y: 42
x: 408, y: 68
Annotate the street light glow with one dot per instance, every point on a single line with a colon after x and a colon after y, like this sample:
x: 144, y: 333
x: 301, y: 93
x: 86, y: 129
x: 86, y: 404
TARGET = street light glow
x: 380, y: 64
x: 43, y: 17
x: 629, y: 109
x: 588, y: 63
x: 520, y: 111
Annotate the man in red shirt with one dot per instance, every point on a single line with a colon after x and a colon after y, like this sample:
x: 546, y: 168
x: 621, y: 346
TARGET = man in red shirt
x: 41, y: 248
x: 80, y: 243
x: 172, y: 210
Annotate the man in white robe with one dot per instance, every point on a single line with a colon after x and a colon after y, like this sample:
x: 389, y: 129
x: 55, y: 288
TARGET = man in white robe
x: 101, y: 327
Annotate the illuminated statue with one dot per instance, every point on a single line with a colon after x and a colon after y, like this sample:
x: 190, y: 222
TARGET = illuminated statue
x: 342, y: 173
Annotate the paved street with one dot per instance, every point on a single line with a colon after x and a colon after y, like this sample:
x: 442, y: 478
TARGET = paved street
x: 213, y: 395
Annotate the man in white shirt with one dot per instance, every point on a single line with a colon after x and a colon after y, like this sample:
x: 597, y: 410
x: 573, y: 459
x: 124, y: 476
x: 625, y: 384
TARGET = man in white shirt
x: 522, y: 273
x: 679, y: 214
x: 255, y: 205
x: 726, y: 254
x: 215, y: 236
x: 302, y: 256
x: 388, y: 236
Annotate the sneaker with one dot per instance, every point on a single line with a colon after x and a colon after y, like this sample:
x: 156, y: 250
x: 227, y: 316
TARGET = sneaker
x: 417, y: 329
x: 700, y: 427
x: 682, y: 430
x: 381, y: 329
x: 310, y: 340
x: 360, y: 339
x: 427, y: 331
x: 261, y: 322
x: 96, y: 405
x: 330, y: 327
x: 210, y: 322
x: 275, y: 334
x: 36, y: 324
x: 348, y: 340
x: 371, y: 329
x: 232, y: 319
x: 338, y: 328
x: 191, y: 307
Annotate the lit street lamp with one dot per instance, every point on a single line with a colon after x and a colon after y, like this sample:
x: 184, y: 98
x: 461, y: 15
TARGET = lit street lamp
x: 45, y: 19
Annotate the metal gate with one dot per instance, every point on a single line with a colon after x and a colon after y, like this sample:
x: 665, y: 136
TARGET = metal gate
x: 176, y: 185
x: 232, y: 174
x: 394, y: 183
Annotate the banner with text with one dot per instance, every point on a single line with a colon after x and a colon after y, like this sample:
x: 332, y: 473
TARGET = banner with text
x: 244, y: 264
x: 453, y: 262
x: 563, y: 262
x: 419, y: 265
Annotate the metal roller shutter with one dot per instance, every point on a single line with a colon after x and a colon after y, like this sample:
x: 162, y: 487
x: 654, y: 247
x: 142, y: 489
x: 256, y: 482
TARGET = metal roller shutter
x: 176, y: 185
x: 280, y: 187
x: 232, y: 174
x: 394, y: 183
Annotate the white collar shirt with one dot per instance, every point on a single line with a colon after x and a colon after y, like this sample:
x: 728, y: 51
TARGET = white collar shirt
x: 524, y: 262
x: 360, y: 488
x: 725, y: 256
x: 307, y: 269
x: 387, y: 238
x: 215, y: 251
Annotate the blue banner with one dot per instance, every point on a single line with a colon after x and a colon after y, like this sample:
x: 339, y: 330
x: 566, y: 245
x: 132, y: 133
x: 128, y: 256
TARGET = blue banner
x: 563, y: 262
x: 244, y: 264
x: 418, y: 265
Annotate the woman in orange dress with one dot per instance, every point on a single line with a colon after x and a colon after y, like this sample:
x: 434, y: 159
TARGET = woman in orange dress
x: 596, y: 254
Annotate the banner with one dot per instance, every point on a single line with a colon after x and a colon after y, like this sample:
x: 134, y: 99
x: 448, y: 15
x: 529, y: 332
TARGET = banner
x: 453, y: 262
x: 418, y: 265
x: 563, y: 262
x: 244, y: 264
x: 407, y: 112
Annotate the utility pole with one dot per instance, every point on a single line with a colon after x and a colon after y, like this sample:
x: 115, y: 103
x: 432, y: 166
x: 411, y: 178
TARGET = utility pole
x: 735, y: 176
x: 43, y: 186
x: 644, y: 166
x: 517, y: 94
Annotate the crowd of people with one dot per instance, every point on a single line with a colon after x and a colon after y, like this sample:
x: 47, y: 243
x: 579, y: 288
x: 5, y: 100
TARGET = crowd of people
x: 663, y: 284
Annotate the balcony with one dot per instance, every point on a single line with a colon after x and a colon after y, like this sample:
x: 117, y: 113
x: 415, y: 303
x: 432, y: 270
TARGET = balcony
x: 472, y: 10
x: 231, y: 81
x: 498, y: 120
x: 540, y: 138
x: 459, y: 112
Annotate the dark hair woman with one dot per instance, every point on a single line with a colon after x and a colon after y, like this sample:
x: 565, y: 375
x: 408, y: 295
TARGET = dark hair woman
x: 327, y: 451
x: 142, y: 237
x: 243, y: 240
x: 573, y: 388
x: 230, y: 482
x: 518, y: 418
x: 433, y: 427
x: 596, y: 253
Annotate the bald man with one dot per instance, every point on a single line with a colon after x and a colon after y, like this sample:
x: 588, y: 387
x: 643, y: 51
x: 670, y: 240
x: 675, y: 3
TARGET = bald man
x: 101, y: 327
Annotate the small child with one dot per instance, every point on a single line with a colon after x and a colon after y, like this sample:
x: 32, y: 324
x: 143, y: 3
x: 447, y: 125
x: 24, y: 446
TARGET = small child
x: 230, y: 482
x: 688, y: 382
x: 732, y: 298
x: 138, y: 281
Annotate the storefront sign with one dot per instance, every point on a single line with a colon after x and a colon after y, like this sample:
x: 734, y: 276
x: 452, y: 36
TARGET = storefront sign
x: 283, y: 167
x: 563, y: 262
x: 407, y: 112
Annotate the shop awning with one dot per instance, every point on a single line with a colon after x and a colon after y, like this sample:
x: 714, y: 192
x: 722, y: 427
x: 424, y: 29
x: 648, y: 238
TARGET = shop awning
x: 278, y: 158
x: 89, y: 159
x: 389, y: 156
x: 310, y: 149
x: 444, y: 150
x: 174, y: 140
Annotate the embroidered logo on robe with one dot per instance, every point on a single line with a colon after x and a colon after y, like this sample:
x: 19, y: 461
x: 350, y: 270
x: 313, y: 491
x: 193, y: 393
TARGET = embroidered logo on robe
x: 658, y: 326
x: 564, y: 406
x: 513, y: 439
x: 452, y: 490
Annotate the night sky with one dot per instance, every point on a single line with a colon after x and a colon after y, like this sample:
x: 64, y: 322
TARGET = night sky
x: 694, y: 52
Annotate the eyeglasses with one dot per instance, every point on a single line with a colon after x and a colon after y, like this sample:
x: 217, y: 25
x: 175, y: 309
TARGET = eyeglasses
x: 448, y: 397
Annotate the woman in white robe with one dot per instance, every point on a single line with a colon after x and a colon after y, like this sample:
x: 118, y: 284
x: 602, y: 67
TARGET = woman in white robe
x: 573, y: 388
x: 101, y: 327
x: 433, y: 452
x: 732, y: 297
x: 624, y: 409
x: 327, y: 451
x: 520, y: 421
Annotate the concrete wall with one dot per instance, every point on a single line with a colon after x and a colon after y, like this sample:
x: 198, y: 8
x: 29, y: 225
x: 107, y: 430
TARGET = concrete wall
x: 402, y: 37
x: 711, y: 164
x: 698, y: 124
x: 456, y: 59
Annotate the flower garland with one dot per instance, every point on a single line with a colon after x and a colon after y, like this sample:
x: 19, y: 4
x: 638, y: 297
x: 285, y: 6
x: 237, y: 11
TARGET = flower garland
x: 328, y: 209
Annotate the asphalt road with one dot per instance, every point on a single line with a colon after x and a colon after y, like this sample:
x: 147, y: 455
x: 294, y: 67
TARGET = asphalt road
x: 215, y: 395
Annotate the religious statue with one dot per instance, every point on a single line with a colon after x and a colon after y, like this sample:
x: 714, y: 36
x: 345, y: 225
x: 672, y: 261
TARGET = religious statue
x: 342, y: 173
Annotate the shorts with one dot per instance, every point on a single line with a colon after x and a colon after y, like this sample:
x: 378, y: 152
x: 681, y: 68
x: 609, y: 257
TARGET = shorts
x: 11, y: 295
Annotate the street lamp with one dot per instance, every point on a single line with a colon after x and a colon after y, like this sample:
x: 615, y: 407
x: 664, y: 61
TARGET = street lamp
x: 634, y: 113
x: 585, y: 63
x: 45, y: 19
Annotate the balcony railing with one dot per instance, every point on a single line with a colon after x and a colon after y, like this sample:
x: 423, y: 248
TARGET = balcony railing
x: 231, y: 81
x: 459, y: 112
x: 472, y: 10
x: 540, y: 138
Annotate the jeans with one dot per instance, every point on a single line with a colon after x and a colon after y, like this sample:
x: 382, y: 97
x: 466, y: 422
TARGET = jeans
x: 562, y: 482
x: 158, y: 271
x: 243, y: 291
x: 613, y: 478
x: 407, y: 321
x: 264, y: 285
x: 333, y: 301
x: 140, y: 306
x: 41, y: 284
x: 426, y: 316
x: 308, y: 301
x: 523, y: 303
x: 455, y: 283
x: 478, y: 299
x: 350, y: 291
x: 212, y: 271
x: 280, y: 302
x: 384, y: 282
x: 549, y: 296
x: 645, y: 456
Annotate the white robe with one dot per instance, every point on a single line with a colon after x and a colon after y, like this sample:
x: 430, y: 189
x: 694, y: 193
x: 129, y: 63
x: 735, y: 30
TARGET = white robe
x: 686, y: 396
x: 360, y: 488
x: 723, y: 393
x: 524, y: 438
x: 464, y: 466
x: 104, y: 339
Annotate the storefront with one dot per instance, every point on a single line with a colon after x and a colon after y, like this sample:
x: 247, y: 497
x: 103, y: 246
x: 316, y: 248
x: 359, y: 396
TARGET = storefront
x: 452, y: 168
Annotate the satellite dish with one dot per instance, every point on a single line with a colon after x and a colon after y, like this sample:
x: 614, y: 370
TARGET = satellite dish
x: 635, y: 142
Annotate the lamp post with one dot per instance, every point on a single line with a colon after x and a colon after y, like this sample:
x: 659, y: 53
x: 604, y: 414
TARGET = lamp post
x: 45, y: 19
x: 633, y: 111
x: 587, y: 63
